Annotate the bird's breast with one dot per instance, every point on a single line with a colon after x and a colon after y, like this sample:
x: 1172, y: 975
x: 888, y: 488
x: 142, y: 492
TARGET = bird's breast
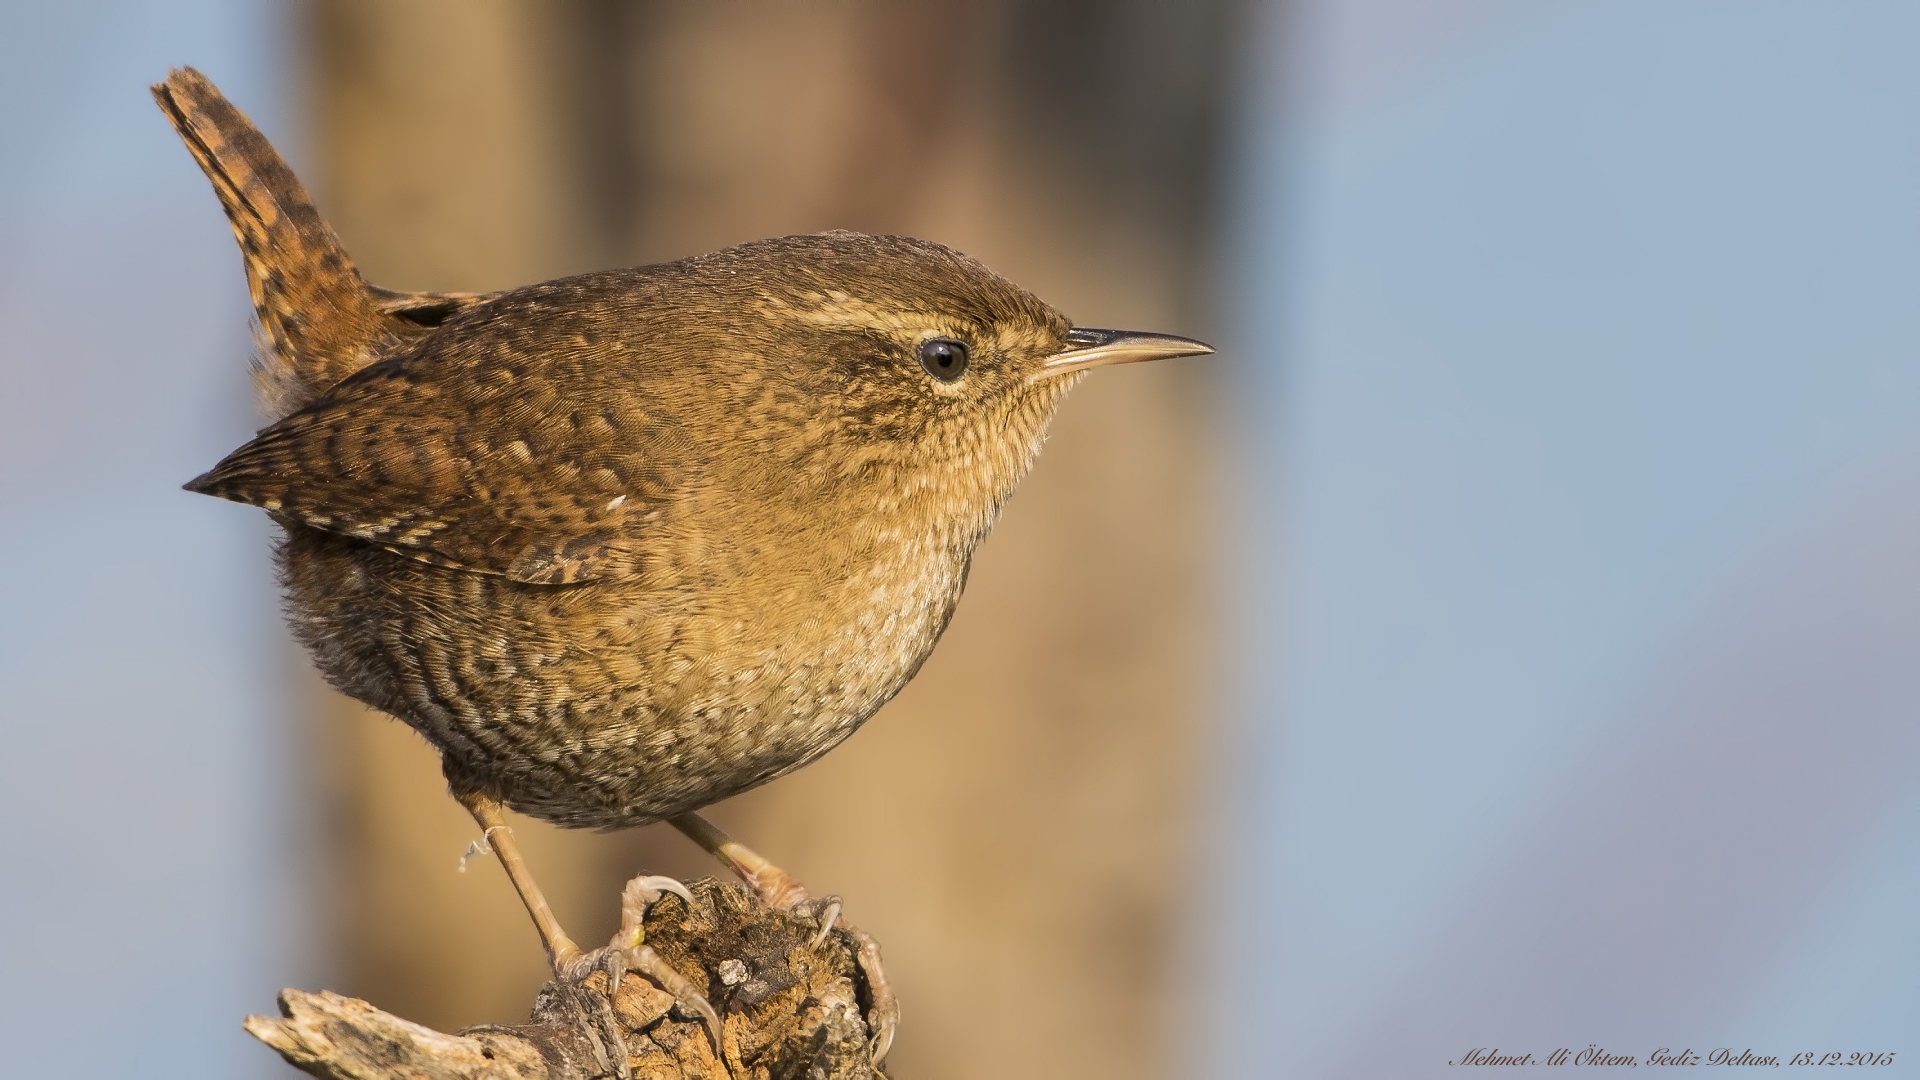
x: 837, y: 640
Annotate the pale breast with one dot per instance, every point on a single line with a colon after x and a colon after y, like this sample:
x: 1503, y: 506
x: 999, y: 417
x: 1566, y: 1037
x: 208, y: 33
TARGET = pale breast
x: 609, y: 704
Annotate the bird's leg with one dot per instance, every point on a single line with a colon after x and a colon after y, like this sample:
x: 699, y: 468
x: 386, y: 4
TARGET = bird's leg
x: 563, y: 956
x: 562, y: 953
x: 777, y: 888
x: 782, y: 892
x: 627, y: 952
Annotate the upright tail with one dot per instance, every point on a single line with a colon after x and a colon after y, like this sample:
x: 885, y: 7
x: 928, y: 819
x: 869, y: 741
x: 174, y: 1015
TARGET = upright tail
x: 319, y: 321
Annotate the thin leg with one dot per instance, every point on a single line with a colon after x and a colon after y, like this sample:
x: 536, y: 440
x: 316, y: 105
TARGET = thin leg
x: 561, y: 951
x: 778, y: 890
x: 595, y: 1018
x: 627, y: 951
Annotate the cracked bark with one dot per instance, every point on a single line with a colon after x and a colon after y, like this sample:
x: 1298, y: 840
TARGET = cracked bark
x: 788, y: 1009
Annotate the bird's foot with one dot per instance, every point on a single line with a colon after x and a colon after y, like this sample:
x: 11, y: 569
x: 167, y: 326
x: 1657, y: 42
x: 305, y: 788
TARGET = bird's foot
x: 883, y: 1012
x: 629, y: 952
x: 593, y: 1013
x: 629, y: 949
x: 780, y: 891
x: 590, y: 1013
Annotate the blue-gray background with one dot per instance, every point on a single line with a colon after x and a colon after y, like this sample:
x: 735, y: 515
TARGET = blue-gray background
x: 1576, y: 376
x: 146, y: 852
x: 1582, y: 430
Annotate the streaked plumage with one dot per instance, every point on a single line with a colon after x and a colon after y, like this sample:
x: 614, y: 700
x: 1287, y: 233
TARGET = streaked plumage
x: 624, y: 544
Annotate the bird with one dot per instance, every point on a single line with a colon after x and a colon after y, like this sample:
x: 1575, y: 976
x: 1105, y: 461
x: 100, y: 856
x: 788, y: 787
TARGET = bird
x: 623, y: 544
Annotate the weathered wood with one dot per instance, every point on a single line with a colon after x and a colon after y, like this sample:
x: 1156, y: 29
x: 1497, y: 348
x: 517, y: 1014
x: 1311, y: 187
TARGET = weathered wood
x: 788, y: 1009
x: 344, y: 1038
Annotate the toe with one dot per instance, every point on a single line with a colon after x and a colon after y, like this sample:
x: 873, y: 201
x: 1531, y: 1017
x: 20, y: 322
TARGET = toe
x: 649, y: 888
x: 829, y: 915
x: 615, y: 965
x: 641, y: 894
x: 649, y: 963
x: 884, y: 1016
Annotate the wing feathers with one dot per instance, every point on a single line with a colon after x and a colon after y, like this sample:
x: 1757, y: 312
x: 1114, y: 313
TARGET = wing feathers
x: 455, y: 472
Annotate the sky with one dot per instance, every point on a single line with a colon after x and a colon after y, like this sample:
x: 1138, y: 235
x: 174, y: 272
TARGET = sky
x: 152, y: 895
x: 1578, y: 413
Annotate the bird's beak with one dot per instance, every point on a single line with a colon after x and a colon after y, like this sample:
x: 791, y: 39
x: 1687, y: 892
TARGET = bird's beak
x: 1088, y: 348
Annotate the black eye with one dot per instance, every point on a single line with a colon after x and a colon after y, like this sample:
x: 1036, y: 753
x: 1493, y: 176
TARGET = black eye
x: 944, y: 358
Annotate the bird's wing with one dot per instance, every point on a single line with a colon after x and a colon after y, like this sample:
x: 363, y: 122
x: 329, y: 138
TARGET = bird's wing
x: 470, y: 464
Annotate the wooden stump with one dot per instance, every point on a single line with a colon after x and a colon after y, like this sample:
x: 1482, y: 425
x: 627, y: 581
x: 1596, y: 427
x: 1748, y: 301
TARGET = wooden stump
x: 787, y: 1008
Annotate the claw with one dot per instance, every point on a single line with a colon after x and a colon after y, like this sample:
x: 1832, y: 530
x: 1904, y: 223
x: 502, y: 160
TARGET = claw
x: 829, y: 914
x: 640, y: 894
x: 778, y: 890
x: 614, y: 963
x: 656, y: 884
x: 629, y: 951
x: 647, y: 962
x: 885, y: 1014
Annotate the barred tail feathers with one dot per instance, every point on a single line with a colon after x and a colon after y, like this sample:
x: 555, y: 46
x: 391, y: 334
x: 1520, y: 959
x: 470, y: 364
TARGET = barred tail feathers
x: 318, y: 320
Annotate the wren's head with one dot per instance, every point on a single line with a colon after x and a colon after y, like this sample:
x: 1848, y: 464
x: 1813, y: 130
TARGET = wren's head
x: 914, y: 371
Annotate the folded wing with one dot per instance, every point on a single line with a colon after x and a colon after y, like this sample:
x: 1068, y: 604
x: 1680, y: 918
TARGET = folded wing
x: 470, y: 465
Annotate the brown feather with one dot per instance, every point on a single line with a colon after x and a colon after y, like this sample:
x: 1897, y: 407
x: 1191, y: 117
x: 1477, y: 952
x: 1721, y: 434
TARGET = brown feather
x: 624, y: 544
x: 317, y: 320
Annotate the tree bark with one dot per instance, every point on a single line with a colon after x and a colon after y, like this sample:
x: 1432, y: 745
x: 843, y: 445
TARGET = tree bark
x: 788, y: 1008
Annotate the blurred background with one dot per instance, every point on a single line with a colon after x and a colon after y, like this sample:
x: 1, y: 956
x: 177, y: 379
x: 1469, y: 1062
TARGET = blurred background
x: 1508, y: 641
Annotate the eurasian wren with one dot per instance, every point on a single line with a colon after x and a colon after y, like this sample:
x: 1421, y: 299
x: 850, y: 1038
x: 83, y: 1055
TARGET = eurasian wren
x: 625, y: 544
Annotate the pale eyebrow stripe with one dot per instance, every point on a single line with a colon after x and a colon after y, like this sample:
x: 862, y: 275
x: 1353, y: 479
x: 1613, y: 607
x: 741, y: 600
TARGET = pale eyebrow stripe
x: 839, y: 310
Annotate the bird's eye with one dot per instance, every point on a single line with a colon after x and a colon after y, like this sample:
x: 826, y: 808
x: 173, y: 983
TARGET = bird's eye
x: 944, y: 358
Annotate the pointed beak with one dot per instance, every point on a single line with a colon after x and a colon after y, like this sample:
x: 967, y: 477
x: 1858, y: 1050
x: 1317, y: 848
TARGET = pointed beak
x: 1088, y: 348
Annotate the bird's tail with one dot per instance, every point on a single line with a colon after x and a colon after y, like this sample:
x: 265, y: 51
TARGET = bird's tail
x: 317, y: 318
x: 319, y: 321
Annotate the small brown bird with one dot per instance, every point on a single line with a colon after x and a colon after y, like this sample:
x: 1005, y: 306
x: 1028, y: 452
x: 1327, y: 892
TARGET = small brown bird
x: 625, y: 544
